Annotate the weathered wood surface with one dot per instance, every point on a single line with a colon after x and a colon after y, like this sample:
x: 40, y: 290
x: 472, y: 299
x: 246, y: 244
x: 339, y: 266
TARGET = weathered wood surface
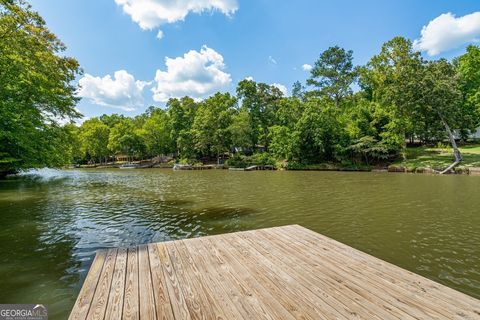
x: 277, y: 273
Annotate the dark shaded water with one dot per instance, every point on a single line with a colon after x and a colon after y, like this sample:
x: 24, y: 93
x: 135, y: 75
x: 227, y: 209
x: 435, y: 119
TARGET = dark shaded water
x: 53, y: 221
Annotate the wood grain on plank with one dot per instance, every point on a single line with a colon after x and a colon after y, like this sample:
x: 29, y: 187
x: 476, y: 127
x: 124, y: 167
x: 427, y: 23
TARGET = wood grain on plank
x: 179, y: 306
x: 266, y: 304
x: 100, y: 299
x: 131, y: 304
x: 117, y: 290
x: 198, y: 300
x: 311, y: 297
x: 221, y: 304
x: 84, y: 299
x: 160, y: 290
x: 145, y: 286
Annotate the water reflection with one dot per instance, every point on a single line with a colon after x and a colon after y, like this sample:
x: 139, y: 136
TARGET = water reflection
x: 53, y: 221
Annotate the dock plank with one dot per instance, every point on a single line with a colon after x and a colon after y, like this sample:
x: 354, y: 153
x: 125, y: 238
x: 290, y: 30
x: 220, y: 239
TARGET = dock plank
x: 145, y: 285
x: 117, y: 290
x: 177, y: 299
x: 160, y: 290
x: 265, y: 302
x: 285, y: 272
x: 199, y: 300
x: 226, y: 280
x: 131, y: 303
x: 84, y: 299
x: 219, y: 300
x: 100, y: 299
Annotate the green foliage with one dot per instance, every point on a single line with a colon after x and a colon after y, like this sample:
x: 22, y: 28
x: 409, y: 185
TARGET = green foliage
x: 370, y: 148
x: 156, y: 133
x: 182, y: 114
x: 36, y: 89
x: 240, y: 130
x: 263, y: 158
x: 94, y: 135
x: 238, y: 161
x: 298, y: 90
x: 282, y: 142
x: 125, y: 139
x: 402, y: 97
x: 371, y: 121
x: 260, y: 100
x: 320, y: 134
x: 211, y: 127
x: 243, y: 161
x: 468, y: 66
x: 424, y: 96
x: 333, y: 74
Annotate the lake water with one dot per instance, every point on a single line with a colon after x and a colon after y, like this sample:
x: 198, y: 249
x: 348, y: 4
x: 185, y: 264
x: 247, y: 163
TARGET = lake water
x: 53, y: 221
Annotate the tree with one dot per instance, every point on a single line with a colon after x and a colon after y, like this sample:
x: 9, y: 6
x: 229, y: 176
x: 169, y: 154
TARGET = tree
x: 36, y: 88
x: 333, y: 74
x: 181, y: 113
x: 94, y: 135
x: 298, y: 91
x: 156, y: 133
x: 394, y: 78
x: 282, y: 142
x: 319, y: 135
x: 468, y: 67
x: 374, y: 131
x: 112, y: 119
x: 125, y: 138
x: 260, y: 101
x: 212, y: 122
x: 71, y: 144
x: 289, y: 110
x: 424, y: 94
x: 240, y: 130
x: 442, y: 98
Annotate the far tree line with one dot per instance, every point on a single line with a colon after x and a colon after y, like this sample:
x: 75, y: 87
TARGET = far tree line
x: 399, y: 97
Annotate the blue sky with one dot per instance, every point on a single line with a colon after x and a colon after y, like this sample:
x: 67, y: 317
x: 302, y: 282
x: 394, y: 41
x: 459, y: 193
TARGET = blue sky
x: 264, y: 39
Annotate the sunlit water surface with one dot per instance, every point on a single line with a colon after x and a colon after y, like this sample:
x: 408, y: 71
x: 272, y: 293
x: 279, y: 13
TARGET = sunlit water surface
x: 53, y: 221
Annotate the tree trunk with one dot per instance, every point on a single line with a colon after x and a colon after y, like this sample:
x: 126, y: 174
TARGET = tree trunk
x: 456, y: 151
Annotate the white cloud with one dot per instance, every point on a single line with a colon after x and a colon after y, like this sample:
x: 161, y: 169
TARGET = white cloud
x: 249, y: 78
x: 150, y: 14
x: 307, y: 67
x: 160, y: 34
x: 196, y: 74
x: 123, y: 91
x: 272, y: 60
x: 282, y: 88
x: 447, y: 32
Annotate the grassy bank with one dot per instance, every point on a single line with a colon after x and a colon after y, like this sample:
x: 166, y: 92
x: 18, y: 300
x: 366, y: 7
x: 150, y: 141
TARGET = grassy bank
x: 438, y: 158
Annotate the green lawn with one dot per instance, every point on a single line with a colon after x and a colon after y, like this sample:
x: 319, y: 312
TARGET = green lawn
x: 428, y: 157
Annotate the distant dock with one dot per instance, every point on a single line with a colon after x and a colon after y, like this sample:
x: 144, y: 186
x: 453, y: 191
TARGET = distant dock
x: 277, y: 273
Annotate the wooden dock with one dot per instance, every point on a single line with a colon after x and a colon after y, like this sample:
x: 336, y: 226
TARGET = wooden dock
x: 278, y: 273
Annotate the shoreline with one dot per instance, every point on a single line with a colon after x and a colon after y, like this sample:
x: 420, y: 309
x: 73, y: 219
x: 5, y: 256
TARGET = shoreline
x: 394, y: 168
